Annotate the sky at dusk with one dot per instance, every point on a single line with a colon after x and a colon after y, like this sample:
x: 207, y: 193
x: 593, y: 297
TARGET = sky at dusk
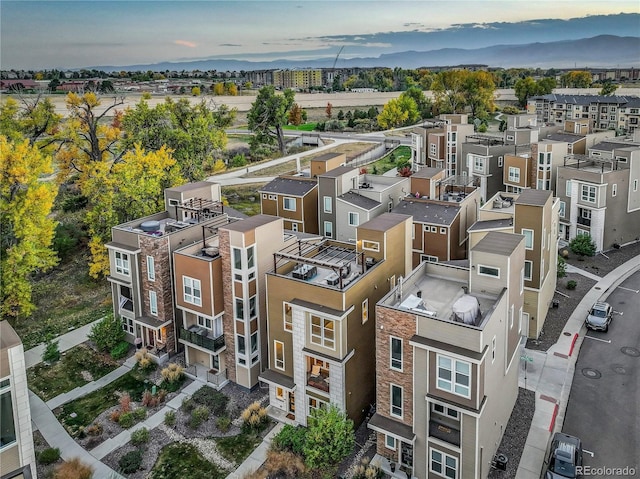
x: 74, y: 34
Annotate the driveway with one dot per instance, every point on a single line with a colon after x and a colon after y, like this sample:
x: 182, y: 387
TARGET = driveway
x: 603, y: 408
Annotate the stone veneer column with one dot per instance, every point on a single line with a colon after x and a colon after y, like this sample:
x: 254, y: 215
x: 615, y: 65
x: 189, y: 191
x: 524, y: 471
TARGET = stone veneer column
x: 227, y: 317
x: 336, y: 387
x: 299, y: 364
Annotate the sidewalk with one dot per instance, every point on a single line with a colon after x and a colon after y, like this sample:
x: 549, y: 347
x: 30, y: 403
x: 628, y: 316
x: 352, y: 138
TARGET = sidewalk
x: 550, y: 374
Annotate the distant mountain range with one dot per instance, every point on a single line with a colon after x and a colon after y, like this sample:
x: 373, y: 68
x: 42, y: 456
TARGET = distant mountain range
x: 603, y: 51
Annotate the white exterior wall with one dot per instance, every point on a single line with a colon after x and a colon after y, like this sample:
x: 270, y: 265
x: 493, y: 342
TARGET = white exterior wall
x: 597, y: 228
x: 299, y: 364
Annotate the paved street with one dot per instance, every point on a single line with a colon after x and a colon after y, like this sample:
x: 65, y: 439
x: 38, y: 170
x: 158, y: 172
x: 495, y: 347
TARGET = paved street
x: 603, y: 408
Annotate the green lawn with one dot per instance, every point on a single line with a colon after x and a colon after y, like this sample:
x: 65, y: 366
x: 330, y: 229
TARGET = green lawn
x: 244, y: 198
x: 178, y: 461
x: 88, y: 407
x: 67, y: 374
x: 400, y: 155
x: 303, y: 127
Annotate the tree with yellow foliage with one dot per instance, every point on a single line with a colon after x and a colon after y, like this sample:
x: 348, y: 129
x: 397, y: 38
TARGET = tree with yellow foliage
x: 27, y: 230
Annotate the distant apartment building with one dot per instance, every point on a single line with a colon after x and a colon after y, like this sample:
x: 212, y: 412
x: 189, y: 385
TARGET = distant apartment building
x: 437, y: 143
x: 599, y: 194
x: 535, y: 215
x: 17, y: 455
x: 629, y: 116
x: 141, y: 266
x: 293, y: 198
x: 321, y: 296
x: 447, y: 362
x: 297, y: 79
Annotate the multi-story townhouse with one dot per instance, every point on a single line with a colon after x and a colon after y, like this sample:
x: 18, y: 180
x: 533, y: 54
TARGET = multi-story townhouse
x: 437, y: 144
x: 517, y: 172
x: 599, y: 194
x: 325, y: 163
x: 331, y: 185
x: 446, y: 362
x: 534, y: 214
x: 439, y: 229
x: 601, y: 111
x: 293, y: 198
x: 17, y: 455
x: 629, y: 116
x: 141, y: 263
x: 321, y: 295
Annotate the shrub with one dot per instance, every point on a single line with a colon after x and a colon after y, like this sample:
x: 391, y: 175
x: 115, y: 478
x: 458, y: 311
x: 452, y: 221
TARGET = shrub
x: 73, y: 469
x: 290, y: 438
x: 172, y: 373
x: 223, y: 423
x: 330, y: 438
x: 125, y: 403
x: 126, y: 420
x: 571, y: 284
x: 144, y: 361
x: 284, y: 462
x: 188, y: 404
x: 49, y: 456
x: 562, y: 267
x: 115, y: 415
x: 66, y: 239
x: 94, y: 429
x: 198, y: 416
x: 140, y: 413
x: 170, y: 418
x: 131, y: 461
x: 120, y: 350
x: 583, y: 245
x: 107, y: 333
x: 238, y: 161
x: 214, y: 400
x: 151, y: 400
x: 365, y: 470
x: 254, y: 417
x: 140, y: 436
x: 51, y: 351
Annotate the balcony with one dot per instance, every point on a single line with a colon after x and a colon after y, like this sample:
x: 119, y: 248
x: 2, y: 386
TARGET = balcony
x: 318, y: 379
x: 584, y: 221
x: 444, y: 432
x: 126, y: 304
x: 200, y: 337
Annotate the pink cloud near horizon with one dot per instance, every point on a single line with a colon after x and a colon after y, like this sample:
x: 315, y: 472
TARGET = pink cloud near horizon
x: 186, y: 43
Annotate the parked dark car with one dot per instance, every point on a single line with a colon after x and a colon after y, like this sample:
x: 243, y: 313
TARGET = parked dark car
x: 599, y: 316
x: 564, y: 456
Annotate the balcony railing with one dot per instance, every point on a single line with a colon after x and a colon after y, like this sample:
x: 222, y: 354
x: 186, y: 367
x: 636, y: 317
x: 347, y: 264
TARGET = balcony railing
x: 202, y: 339
x: 584, y: 221
x: 320, y: 381
x: 217, y: 378
x: 444, y: 432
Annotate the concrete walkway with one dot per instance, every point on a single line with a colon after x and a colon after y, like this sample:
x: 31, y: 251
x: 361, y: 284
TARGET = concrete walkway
x: 550, y: 374
x: 257, y: 457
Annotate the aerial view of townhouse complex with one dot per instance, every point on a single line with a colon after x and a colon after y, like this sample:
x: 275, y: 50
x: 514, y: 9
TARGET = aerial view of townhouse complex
x: 342, y: 271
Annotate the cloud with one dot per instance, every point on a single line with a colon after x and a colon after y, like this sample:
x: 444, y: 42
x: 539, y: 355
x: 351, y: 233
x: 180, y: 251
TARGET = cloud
x: 230, y: 45
x: 185, y: 43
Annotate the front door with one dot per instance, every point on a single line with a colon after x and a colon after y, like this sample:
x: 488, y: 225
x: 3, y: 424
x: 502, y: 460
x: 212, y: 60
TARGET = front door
x: 406, y: 454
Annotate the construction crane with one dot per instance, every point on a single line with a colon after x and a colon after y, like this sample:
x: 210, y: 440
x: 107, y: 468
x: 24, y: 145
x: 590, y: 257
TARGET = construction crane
x: 336, y: 60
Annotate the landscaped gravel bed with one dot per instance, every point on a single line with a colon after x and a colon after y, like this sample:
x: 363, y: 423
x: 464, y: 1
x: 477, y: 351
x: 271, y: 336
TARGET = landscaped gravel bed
x: 157, y: 440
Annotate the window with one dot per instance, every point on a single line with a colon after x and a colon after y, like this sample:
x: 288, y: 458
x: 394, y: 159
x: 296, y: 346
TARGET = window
x: 614, y: 189
x: 432, y: 149
x: 153, y: 303
x: 279, y: 393
x: 588, y: 194
x: 122, y: 263
x: 127, y: 325
x: 511, y: 317
x: 315, y: 403
x: 241, y: 344
x: 328, y: 207
x: 567, y: 189
x: 7, y: 425
x: 151, y: 269
x: 239, y: 308
x: 205, y: 322
x: 478, y: 164
x: 493, y: 349
x: 524, y: 320
x: 445, y: 411
x: 237, y: 258
x: 322, y: 332
x: 365, y: 310
x: 520, y: 320
x: 328, y: 229
x: 354, y: 218
x: 396, y: 400
x: 443, y: 231
x: 500, y: 161
x: 294, y: 226
x: 522, y: 281
x: 454, y: 376
x: 288, y: 317
x: 434, y: 229
x: 252, y: 307
x: 289, y: 204
x: 273, y: 197
x: 544, y: 160
x: 443, y: 464
x: 251, y: 259
x: 192, y: 292
x: 278, y: 347
x: 396, y: 353
x: 371, y: 245
x: 563, y: 208
x: 528, y: 270
x: 390, y: 442
x: 514, y: 174
x: 254, y: 342
x: 488, y: 271
x: 528, y: 237
x: 635, y: 185
x: 264, y: 196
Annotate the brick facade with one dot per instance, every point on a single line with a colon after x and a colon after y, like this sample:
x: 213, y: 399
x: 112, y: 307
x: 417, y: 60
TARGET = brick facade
x: 227, y: 293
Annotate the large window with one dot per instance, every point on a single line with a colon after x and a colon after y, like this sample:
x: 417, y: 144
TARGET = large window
x: 239, y: 308
x: 289, y: 204
x: 192, y: 291
x: 514, y: 174
x: 443, y: 464
x: 322, y: 332
x: 127, y: 325
x: 488, y: 271
x: 528, y: 238
x: 354, y: 219
x: 588, y: 194
x: 122, y: 263
x: 151, y: 268
x: 251, y: 259
x: 288, y: 317
x: 7, y: 425
x: 278, y: 347
x: 454, y: 376
x: 237, y: 258
x: 153, y: 303
x: 396, y: 353
x: 562, y: 210
x: 396, y: 400
x: 328, y: 229
x: 528, y: 269
x: 328, y: 208
x: 478, y: 164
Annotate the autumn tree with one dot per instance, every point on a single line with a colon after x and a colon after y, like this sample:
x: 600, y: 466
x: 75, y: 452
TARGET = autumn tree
x: 328, y: 110
x: 576, y: 79
x: 195, y: 133
x: 479, y: 92
x: 195, y: 91
x: 32, y: 117
x: 449, y: 90
x: 423, y: 104
x: 268, y: 114
x: 295, y: 115
x: 527, y: 87
x: 27, y: 230
x: 398, y: 112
